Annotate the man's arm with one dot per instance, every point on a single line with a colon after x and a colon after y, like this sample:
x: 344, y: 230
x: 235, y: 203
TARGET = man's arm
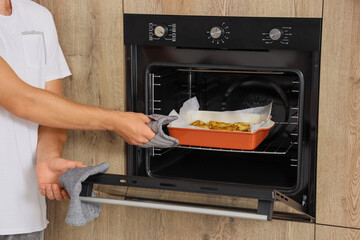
x: 51, y: 110
x: 50, y: 165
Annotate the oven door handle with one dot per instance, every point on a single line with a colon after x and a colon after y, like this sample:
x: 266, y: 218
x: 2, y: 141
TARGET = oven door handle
x: 217, y: 211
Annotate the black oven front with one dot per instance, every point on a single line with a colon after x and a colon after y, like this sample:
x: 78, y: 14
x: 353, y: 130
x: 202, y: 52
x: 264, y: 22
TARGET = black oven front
x: 228, y: 63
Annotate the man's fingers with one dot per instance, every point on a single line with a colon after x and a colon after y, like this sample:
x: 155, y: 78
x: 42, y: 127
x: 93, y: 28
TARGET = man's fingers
x: 143, y: 141
x: 149, y: 134
x: 42, y: 190
x: 73, y: 164
x: 56, y: 192
x: 145, y: 118
x: 80, y: 165
x: 49, y: 192
x: 65, y: 194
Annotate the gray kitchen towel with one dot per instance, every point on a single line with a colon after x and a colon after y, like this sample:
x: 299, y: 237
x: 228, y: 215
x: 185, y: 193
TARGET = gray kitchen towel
x: 80, y: 213
x: 161, y: 140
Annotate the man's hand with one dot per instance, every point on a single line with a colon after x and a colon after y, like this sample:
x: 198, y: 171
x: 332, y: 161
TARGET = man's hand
x: 132, y: 127
x: 48, y: 172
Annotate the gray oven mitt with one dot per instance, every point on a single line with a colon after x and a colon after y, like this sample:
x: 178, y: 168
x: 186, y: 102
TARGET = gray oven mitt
x: 161, y: 140
x: 80, y: 213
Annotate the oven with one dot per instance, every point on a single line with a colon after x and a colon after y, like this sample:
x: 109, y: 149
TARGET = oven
x: 227, y: 63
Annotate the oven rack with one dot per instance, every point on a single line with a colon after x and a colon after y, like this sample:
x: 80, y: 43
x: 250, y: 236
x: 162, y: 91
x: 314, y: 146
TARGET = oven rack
x: 276, y: 151
x: 283, y: 149
x: 229, y: 71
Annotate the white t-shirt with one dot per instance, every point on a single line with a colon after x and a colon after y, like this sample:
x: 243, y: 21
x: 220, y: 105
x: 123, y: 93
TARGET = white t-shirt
x: 29, y: 44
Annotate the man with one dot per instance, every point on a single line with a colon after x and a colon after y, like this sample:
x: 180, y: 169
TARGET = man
x: 31, y: 67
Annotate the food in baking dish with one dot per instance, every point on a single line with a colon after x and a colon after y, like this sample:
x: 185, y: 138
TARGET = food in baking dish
x: 213, y: 125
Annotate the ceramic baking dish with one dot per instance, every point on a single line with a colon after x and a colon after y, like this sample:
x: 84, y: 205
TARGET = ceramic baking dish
x: 219, y: 139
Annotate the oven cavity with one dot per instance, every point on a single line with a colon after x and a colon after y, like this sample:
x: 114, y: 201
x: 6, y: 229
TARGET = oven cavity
x: 224, y: 88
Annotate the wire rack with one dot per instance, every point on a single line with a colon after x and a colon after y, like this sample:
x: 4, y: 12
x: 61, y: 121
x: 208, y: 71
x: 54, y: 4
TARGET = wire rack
x: 280, y: 150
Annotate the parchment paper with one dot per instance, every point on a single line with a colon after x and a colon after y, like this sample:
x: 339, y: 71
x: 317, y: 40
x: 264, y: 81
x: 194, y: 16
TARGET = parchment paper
x: 258, y: 117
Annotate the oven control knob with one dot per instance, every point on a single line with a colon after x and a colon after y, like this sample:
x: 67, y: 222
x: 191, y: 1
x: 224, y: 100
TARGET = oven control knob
x: 217, y: 32
x: 161, y: 31
x: 276, y: 34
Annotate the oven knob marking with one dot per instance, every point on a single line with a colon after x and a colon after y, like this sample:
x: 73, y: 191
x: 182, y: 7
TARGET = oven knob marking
x: 217, y: 32
x: 276, y: 33
x: 161, y: 31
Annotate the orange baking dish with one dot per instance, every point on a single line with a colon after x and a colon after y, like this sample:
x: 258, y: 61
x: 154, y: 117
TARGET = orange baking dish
x: 219, y: 139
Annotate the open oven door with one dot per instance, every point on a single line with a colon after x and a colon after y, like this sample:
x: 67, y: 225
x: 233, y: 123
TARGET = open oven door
x: 265, y: 197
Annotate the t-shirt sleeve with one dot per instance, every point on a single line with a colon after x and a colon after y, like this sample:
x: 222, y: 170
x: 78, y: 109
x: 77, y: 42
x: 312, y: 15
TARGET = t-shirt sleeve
x: 55, y: 63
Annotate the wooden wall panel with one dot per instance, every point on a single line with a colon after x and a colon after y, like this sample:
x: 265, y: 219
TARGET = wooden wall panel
x: 336, y: 233
x: 166, y: 225
x: 138, y: 223
x: 273, y: 8
x: 128, y: 223
x: 90, y: 33
x: 338, y: 167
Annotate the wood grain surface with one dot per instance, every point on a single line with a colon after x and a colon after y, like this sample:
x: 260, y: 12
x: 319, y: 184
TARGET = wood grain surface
x: 336, y: 233
x: 270, y: 8
x: 93, y: 47
x: 139, y: 223
x: 169, y: 225
x: 90, y: 33
x: 338, y: 166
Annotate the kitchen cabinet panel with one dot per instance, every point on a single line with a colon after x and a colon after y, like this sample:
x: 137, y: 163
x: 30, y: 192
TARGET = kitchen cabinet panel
x: 94, y: 51
x: 90, y: 33
x: 273, y: 8
x: 138, y: 223
x: 131, y: 223
x: 163, y: 225
x: 128, y: 223
x: 335, y: 233
x: 338, y: 166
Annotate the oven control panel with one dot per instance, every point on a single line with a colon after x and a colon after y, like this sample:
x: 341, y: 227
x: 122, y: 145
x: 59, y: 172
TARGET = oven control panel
x: 243, y: 33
